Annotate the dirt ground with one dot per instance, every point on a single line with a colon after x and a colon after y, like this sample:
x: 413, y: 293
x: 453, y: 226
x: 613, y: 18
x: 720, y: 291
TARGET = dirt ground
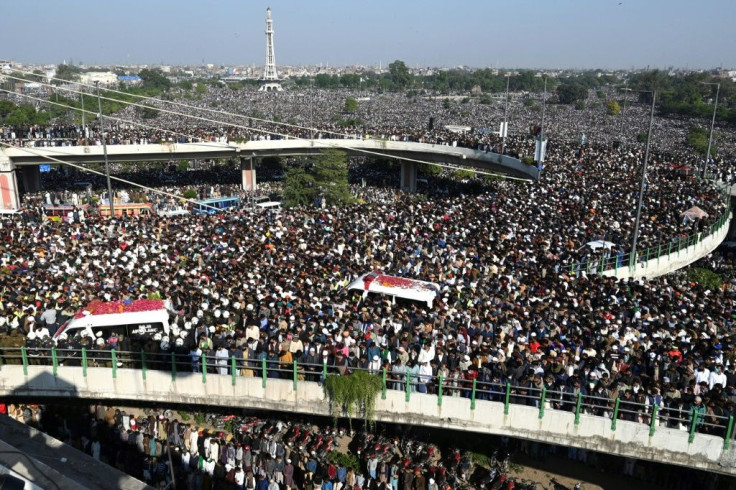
x: 568, y: 473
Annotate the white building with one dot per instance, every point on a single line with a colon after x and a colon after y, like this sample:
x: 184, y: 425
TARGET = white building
x: 107, y: 78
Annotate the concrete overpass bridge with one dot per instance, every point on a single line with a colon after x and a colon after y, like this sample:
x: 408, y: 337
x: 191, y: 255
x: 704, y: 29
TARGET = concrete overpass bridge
x: 24, y: 162
x: 572, y: 427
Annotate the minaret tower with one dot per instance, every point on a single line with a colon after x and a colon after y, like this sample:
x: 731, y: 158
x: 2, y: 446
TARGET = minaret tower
x: 270, y: 77
x: 269, y: 73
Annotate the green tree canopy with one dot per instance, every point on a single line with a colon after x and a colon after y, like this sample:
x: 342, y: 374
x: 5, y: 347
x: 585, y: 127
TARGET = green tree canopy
x: 331, y: 177
x: 154, y: 78
x: 299, y: 187
x: 67, y: 72
x: 400, y: 75
x: 351, y: 105
x: 613, y: 108
x: 571, y: 93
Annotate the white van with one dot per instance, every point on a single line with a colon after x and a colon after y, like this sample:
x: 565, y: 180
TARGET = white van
x: 129, y: 318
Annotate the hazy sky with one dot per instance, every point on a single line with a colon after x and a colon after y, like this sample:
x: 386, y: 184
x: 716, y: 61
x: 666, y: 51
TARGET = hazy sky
x: 479, y: 33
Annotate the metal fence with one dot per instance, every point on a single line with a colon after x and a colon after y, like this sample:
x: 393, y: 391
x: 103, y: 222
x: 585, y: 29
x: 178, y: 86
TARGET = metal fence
x: 607, y: 261
x: 440, y: 387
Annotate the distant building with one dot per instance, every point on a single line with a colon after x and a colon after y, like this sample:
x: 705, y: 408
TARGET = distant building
x: 129, y: 79
x: 107, y: 78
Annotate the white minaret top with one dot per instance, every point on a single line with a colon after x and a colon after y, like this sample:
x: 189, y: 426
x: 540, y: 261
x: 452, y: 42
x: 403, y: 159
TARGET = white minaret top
x: 269, y: 72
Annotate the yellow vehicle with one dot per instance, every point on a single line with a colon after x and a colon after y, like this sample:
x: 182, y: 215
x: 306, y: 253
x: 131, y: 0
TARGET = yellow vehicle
x: 130, y: 209
x: 64, y: 212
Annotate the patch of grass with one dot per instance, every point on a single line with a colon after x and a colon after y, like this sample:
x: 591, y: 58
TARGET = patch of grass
x: 481, y: 459
x: 706, y: 278
x: 515, y: 467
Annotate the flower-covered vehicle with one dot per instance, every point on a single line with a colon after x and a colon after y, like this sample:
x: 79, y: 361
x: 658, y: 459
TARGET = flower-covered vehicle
x: 129, y: 318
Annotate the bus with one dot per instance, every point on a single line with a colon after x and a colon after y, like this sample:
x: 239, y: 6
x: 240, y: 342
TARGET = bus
x: 216, y: 204
x: 64, y: 212
x: 143, y: 209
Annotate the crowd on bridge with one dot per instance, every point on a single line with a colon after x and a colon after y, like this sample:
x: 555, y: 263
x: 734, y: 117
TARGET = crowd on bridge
x: 225, y: 115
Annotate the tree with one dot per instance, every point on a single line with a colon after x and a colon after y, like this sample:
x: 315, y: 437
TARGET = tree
x: 67, y: 72
x: 697, y: 139
x: 299, y: 187
x: 331, y: 177
x: 400, y: 75
x: 571, y: 93
x: 426, y: 169
x: 6, y: 107
x: 147, y: 112
x: 612, y: 108
x: 351, y: 105
x: 154, y: 79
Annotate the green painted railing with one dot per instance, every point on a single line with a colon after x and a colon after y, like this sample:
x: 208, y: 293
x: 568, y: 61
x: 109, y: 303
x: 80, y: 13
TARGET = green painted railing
x: 607, y: 262
x: 507, y: 394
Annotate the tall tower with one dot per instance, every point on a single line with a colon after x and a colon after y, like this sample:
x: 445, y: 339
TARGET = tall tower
x: 270, y: 77
x: 269, y: 72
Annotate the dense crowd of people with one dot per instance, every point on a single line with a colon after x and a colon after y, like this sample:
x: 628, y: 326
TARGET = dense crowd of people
x: 225, y: 115
x: 516, y: 303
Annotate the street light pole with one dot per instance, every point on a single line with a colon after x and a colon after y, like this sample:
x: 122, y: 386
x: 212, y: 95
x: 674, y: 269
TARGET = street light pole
x: 311, y: 113
x: 541, y: 128
x: 505, y: 114
x: 621, y: 130
x: 84, y: 125
x: 643, y: 181
x: 712, y: 123
x: 104, y: 150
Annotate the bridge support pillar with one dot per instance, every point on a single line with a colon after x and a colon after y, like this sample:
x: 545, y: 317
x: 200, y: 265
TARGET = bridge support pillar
x: 248, y: 171
x: 31, y: 178
x: 409, y: 176
x: 9, y: 198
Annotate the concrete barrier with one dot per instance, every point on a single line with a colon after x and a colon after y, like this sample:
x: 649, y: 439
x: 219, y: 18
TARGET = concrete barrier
x: 630, y: 439
x: 676, y: 260
x: 421, y: 151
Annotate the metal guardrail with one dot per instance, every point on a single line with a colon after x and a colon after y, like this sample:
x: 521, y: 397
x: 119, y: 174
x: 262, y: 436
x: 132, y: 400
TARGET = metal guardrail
x: 506, y: 393
x: 607, y: 262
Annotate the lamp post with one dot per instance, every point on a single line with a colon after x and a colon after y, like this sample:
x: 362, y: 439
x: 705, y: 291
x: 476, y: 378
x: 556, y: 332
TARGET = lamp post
x: 712, y: 123
x: 541, y: 128
x: 643, y: 179
x: 84, y: 125
x: 505, y: 115
x: 621, y: 130
x: 104, y: 150
x: 311, y: 113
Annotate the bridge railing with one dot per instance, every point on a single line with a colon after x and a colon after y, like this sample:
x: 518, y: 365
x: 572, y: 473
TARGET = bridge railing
x: 605, y: 261
x: 539, y: 397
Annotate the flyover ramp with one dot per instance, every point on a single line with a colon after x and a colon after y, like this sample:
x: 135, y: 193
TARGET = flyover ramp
x: 629, y: 439
x: 441, y: 154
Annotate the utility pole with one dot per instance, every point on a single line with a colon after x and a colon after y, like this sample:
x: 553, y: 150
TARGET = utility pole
x: 541, y: 128
x: 712, y: 123
x: 643, y: 183
x: 505, y: 115
x: 104, y: 150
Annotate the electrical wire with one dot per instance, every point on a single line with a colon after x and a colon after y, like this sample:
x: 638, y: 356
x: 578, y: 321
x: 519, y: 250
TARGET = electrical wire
x: 119, y: 179
x: 319, y: 142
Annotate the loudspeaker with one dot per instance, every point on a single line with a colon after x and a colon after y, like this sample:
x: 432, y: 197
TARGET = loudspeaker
x: 430, y: 126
